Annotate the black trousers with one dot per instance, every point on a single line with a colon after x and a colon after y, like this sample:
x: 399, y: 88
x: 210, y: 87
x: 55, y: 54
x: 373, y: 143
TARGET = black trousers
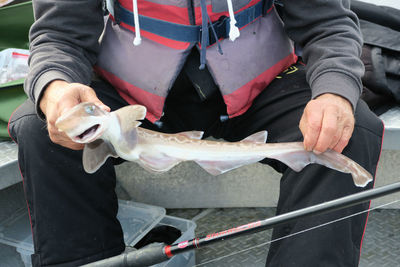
x: 73, y: 214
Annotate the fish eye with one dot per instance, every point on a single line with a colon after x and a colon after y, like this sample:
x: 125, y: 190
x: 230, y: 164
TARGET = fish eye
x: 90, y: 109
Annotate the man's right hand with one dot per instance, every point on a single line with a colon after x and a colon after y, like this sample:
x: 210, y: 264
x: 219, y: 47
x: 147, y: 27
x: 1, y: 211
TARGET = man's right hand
x: 60, y: 96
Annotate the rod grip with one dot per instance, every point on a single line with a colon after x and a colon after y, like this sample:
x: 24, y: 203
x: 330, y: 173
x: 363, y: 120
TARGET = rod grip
x: 146, y: 256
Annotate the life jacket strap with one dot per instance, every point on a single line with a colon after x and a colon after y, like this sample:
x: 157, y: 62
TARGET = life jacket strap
x: 188, y: 33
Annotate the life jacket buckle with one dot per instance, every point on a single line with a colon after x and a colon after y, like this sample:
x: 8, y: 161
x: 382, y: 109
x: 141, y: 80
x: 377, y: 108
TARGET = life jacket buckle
x: 221, y: 28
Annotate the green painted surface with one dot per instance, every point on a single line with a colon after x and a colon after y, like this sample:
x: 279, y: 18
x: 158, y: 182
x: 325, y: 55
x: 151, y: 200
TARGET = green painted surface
x: 15, y: 21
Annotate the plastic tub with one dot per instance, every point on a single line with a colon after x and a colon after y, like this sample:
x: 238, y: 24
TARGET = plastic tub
x: 136, y: 219
x: 186, y: 259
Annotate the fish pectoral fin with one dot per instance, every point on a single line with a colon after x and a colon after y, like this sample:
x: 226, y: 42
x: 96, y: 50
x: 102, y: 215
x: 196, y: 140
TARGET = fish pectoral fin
x: 220, y: 167
x: 193, y: 134
x: 259, y: 137
x: 95, y: 154
x: 157, y: 163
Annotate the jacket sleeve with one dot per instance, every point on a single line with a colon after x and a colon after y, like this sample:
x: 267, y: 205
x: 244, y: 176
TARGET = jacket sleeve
x: 63, y: 43
x: 328, y: 32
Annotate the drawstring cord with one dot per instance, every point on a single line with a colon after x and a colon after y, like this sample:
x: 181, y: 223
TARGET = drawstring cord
x: 215, y: 36
x: 233, y: 31
x: 138, y: 39
x: 204, y: 34
x: 205, y: 18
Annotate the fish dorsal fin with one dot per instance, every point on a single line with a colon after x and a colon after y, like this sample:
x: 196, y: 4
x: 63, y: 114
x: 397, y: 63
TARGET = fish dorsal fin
x: 259, y: 137
x: 130, y: 115
x: 128, y: 121
x: 192, y: 134
x: 95, y: 154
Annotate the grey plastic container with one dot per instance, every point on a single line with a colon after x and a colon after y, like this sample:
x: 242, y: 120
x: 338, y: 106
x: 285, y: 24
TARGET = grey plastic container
x: 186, y: 259
x: 136, y: 219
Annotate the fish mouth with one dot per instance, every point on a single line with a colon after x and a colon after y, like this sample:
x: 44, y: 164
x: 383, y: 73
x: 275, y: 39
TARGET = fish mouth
x: 88, y: 135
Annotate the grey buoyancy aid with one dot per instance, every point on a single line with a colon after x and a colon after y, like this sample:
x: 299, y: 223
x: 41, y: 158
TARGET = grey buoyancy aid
x: 167, y: 30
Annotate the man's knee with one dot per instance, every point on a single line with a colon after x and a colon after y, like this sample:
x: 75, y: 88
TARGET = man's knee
x: 367, y: 120
x: 24, y: 124
x: 365, y: 145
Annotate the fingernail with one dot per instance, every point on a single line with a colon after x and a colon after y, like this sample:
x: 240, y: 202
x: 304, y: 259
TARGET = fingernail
x: 104, y: 107
x: 317, y: 152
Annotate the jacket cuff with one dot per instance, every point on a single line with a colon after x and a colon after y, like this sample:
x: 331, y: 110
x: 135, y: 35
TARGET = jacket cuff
x: 337, y: 83
x: 41, y: 83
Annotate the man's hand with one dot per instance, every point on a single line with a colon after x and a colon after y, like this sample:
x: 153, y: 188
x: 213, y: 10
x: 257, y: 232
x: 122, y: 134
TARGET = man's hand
x: 58, y: 98
x: 327, y: 123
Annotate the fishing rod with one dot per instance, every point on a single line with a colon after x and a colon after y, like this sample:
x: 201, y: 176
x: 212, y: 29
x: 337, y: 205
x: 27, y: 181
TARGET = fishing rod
x: 158, y: 253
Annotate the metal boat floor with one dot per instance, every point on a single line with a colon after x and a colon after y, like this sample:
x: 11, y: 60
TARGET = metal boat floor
x: 381, y: 244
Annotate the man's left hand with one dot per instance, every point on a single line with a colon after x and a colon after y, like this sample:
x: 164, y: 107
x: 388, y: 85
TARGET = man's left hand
x: 327, y: 123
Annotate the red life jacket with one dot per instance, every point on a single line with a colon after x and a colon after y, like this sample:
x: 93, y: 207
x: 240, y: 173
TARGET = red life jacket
x: 144, y: 74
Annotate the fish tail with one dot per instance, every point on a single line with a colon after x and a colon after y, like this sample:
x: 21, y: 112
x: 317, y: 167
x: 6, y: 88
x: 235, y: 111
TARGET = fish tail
x: 297, y: 158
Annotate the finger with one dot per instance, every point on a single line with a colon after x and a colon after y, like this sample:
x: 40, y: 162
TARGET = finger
x: 338, y: 136
x: 330, y: 131
x: 89, y: 95
x: 302, y: 125
x: 339, y: 133
x: 52, y: 115
x: 68, y: 102
x: 65, y: 141
x: 62, y: 139
x: 344, y: 140
x: 313, y: 123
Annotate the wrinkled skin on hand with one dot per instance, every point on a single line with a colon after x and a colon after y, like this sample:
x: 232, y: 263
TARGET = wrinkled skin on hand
x: 327, y: 123
x: 60, y: 96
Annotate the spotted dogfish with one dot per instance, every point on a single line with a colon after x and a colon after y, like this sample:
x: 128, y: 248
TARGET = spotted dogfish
x: 117, y: 134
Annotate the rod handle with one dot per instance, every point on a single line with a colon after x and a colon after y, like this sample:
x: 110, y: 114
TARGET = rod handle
x: 146, y: 256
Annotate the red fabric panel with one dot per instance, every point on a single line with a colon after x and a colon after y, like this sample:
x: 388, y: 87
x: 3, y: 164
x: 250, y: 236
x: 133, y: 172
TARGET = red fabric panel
x: 174, y: 14
x: 158, y: 39
x: 169, y: 13
x: 240, y: 100
x: 135, y: 95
